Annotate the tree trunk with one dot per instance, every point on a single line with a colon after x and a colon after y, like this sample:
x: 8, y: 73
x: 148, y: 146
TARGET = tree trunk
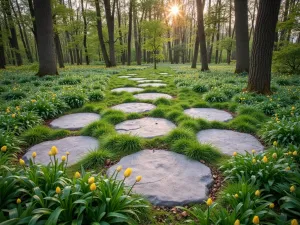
x: 242, y: 39
x: 285, y: 17
x: 129, y: 34
x: 120, y: 34
x: 261, y: 56
x: 196, y: 50
x: 170, y: 47
x: 84, y: 35
x: 31, y: 9
x: 229, y: 33
x: 45, y: 34
x: 2, y: 51
x: 58, y: 50
x: 136, y: 37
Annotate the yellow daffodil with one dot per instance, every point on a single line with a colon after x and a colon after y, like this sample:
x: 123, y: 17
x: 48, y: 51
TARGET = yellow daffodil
x: 138, y: 178
x: 209, y: 202
x: 290, y: 153
x: 253, y: 160
x: 22, y: 162
x: 295, y: 153
x: 293, y: 108
x: 119, y: 168
x: 294, y: 222
x: 4, y: 148
x: 127, y: 172
x: 13, y: 115
x: 236, y: 195
x: 257, y: 193
x: 67, y: 153
x: 91, y: 180
x: 255, y: 220
x: 272, y: 205
x: 50, y: 153
x: 57, y: 190
x: 18, y: 201
x: 234, y: 154
x: 275, y: 143
x: 33, y: 154
x: 253, y: 151
x: 274, y: 155
x: 77, y: 175
x: 265, y: 159
x: 292, y: 188
x: 33, y: 100
x: 63, y: 158
x: 237, y: 222
x: 288, y: 168
x: 54, y: 150
x: 93, y: 187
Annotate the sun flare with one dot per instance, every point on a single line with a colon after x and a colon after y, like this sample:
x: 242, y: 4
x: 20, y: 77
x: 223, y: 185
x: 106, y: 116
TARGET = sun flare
x: 174, y: 10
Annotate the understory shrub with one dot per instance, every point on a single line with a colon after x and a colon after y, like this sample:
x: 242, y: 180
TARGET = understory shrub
x: 69, y: 81
x: 13, y: 95
x: 96, y: 96
x: 215, y: 96
x: 74, y: 99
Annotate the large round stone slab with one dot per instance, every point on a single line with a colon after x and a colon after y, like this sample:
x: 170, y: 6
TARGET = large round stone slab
x: 228, y: 141
x: 152, y: 85
x: 78, y: 146
x: 163, y: 73
x: 149, y: 81
x: 152, y: 96
x: 127, y: 89
x: 208, y: 114
x: 131, y: 74
x: 137, y: 78
x: 168, y: 178
x: 124, y: 76
x: 74, y: 121
x: 147, y: 127
x: 134, y: 107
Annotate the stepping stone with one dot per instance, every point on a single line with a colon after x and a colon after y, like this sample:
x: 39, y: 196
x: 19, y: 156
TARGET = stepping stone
x: 124, y: 76
x: 208, y: 114
x: 74, y: 121
x: 152, y: 96
x: 168, y: 178
x: 228, y: 141
x: 134, y: 107
x: 148, y: 81
x: 163, y: 73
x: 132, y: 74
x: 147, y: 127
x: 128, y: 89
x: 136, y: 78
x: 152, y: 85
x: 78, y: 146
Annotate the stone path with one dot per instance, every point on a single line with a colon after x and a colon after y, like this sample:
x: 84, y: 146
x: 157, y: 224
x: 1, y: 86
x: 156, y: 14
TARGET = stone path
x: 78, y: 146
x: 134, y: 107
x: 131, y: 74
x: 147, y: 127
x: 228, y: 141
x: 208, y: 114
x: 152, y: 96
x: 128, y: 89
x: 163, y: 73
x: 137, y: 78
x: 149, y: 81
x: 168, y: 178
x: 152, y: 85
x: 74, y: 121
x: 124, y: 76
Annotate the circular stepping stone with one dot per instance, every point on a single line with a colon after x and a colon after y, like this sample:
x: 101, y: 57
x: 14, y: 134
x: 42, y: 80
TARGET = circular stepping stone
x: 147, y: 127
x: 136, y: 78
x: 168, y: 179
x: 134, y: 107
x: 132, y: 74
x: 152, y: 85
x: 148, y: 81
x: 78, y: 146
x: 124, y: 76
x: 228, y: 141
x: 74, y: 121
x: 163, y: 73
x: 152, y: 96
x: 208, y: 114
x: 127, y: 89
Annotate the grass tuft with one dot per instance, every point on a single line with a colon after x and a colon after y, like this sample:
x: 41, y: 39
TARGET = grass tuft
x: 122, y: 143
x: 95, y: 159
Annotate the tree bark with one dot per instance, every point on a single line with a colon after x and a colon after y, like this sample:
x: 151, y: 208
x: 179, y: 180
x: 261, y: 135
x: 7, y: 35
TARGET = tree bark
x: 45, y: 34
x: 2, y: 50
x: 120, y: 34
x: 229, y: 33
x: 85, y: 35
x: 242, y: 39
x: 196, y: 50
x: 129, y: 37
x: 31, y: 9
x: 259, y: 80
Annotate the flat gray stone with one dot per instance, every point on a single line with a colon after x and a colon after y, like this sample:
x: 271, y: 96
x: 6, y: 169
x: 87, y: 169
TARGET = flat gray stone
x: 134, y: 107
x: 152, y: 85
x: 74, y: 121
x: 128, y: 89
x: 78, y: 146
x: 152, y: 96
x: 147, y: 127
x: 168, y: 178
x: 208, y: 114
x: 163, y: 73
x: 149, y: 81
x: 124, y: 76
x: 137, y: 78
x: 131, y: 74
x: 228, y: 141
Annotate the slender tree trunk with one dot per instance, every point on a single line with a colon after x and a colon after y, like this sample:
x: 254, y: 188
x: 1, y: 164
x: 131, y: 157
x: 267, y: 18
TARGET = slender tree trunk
x: 45, y: 34
x: 120, y: 34
x: 170, y: 48
x: 253, y: 19
x: 136, y: 36
x: 196, y: 50
x: 2, y: 50
x: 259, y: 80
x: 58, y: 50
x: 85, y: 34
x: 129, y: 37
x: 31, y: 9
x: 229, y: 33
x: 285, y: 17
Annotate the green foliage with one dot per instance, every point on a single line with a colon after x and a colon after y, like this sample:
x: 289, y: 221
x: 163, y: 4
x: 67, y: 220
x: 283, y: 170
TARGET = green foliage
x: 96, y: 159
x: 178, y: 134
x: 113, y: 116
x: 122, y: 143
x: 13, y: 95
x: 98, y: 129
x: 287, y: 59
x: 69, y: 81
x: 74, y: 99
x: 96, y: 96
x: 215, y: 96
x: 200, y: 88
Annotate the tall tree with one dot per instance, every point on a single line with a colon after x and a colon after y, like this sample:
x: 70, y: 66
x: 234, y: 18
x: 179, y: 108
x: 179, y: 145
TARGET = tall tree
x: 261, y: 56
x: 45, y: 34
x: 129, y: 33
x: 2, y: 52
x: 242, y: 39
x: 85, y: 34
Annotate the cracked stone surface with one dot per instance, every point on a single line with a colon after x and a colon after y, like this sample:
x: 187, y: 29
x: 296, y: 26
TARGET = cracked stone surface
x: 78, y: 146
x: 74, y: 121
x: 152, y: 96
x: 152, y: 85
x: 124, y: 76
x: 128, y: 89
x: 228, y: 141
x: 134, y: 107
x: 168, y: 178
x: 137, y: 78
x: 208, y: 114
x: 149, y: 81
x: 147, y: 127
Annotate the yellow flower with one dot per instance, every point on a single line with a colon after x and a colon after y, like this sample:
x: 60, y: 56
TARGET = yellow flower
x: 275, y: 143
x: 33, y: 154
x: 209, y: 202
x: 8, y: 110
x: 234, y: 154
x: 91, y: 180
x: 257, y: 193
x: 67, y: 153
x: 77, y: 175
x: 4, y: 148
x: 271, y: 206
x: 236, y: 195
x: 253, y: 151
x: 237, y: 222
x: 93, y: 187
x: 19, y: 201
x: 33, y: 100
x: 293, y: 108
x: 290, y: 153
x: 138, y: 178
x: 54, y: 150
x: 255, y: 220
x: 295, y: 153
x: 292, y: 188
x: 294, y: 222
x: 13, y: 115
x: 253, y: 160
x: 127, y: 172
x: 119, y: 168
x: 274, y: 155
x: 265, y: 159
x: 22, y: 162
x: 288, y: 168
x: 57, y: 190
x: 50, y: 153
x: 63, y: 158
